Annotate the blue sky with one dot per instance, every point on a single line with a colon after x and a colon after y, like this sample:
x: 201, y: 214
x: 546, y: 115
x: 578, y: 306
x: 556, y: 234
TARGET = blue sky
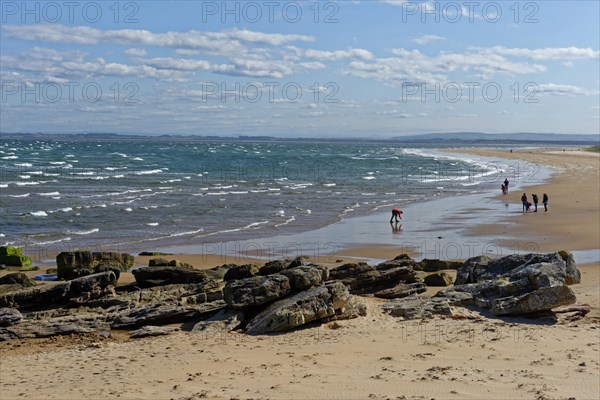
x: 371, y: 69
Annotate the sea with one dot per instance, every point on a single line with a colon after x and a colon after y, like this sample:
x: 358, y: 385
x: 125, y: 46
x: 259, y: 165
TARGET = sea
x: 139, y: 195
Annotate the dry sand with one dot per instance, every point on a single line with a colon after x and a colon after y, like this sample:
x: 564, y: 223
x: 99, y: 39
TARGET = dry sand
x: 378, y: 356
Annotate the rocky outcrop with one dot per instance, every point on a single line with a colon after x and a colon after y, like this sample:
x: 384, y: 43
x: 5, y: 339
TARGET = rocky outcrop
x: 305, y: 277
x: 17, y: 278
x: 73, y: 292
x: 315, y: 304
x: 224, y: 321
x: 516, y: 284
x: 75, y: 264
x: 434, y: 265
x: 150, y: 330
x: 164, y: 314
x: 167, y: 275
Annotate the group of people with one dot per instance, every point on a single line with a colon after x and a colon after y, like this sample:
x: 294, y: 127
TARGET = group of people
x: 534, y: 197
x: 505, y: 186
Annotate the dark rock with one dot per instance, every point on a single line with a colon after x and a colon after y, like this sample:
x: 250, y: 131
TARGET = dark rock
x: 217, y: 273
x: 255, y: 291
x: 154, y: 253
x: 72, y: 292
x: 302, y: 278
x: 364, y: 279
x: 438, y: 265
x: 69, y: 262
x: 164, y: 314
x: 438, y: 279
x: 158, y: 262
x: 40, y: 329
x: 9, y: 316
x: 17, y: 278
x: 150, y: 330
x: 298, y: 262
x: 273, y: 267
x: 13, y: 256
x: 401, y: 290
x: 418, y: 308
x: 240, y: 272
x: 224, y: 321
x: 166, y: 275
x: 312, y: 305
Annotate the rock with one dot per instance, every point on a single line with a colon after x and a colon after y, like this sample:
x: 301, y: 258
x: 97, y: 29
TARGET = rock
x: 150, y: 330
x: 312, y: 305
x: 224, y: 321
x: 40, y: 329
x: 354, y: 308
x: 240, y: 272
x: 255, y: 291
x: 156, y: 262
x: 72, y: 292
x: 305, y: 277
x: 364, y: 279
x: 298, y: 262
x: 17, y: 278
x: 166, y: 275
x: 164, y: 314
x: 182, y: 293
x: 217, y: 273
x: 438, y: 265
x: 401, y: 290
x: 516, y: 284
x: 69, y: 262
x: 542, y: 299
x: 13, y: 256
x: 418, y: 308
x: 273, y: 267
x: 9, y: 316
x: 438, y: 279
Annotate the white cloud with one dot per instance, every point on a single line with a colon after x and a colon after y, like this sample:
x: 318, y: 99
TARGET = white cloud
x: 428, y: 38
x: 563, y: 90
x: 136, y: 52
x: 548, y: 53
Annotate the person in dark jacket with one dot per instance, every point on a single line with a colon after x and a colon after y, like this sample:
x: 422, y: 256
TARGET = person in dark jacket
x: 525, y: 202
x: 545, y: 201
x: 535, y: 201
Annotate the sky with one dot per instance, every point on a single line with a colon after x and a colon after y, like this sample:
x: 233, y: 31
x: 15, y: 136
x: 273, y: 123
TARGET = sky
x: 335, y: 69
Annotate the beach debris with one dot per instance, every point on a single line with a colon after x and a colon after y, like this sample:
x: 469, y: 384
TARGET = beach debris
x: 438, y: 279
x: 150, y: 330
x: 74, y: 264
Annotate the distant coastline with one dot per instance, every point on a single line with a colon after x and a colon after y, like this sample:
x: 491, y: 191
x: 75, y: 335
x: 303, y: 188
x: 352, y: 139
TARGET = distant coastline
x: 459, y: 138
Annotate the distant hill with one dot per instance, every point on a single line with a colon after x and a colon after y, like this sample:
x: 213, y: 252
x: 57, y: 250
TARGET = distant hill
x: 500, y: 137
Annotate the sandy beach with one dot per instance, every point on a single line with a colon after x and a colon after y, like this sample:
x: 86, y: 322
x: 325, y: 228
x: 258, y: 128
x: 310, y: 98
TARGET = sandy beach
x: 468, y: 356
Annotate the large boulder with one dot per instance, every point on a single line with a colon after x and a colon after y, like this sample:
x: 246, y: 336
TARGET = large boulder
x: 516, y: 284
x: 438, y: 279
x: 13, y: 256
x: 9, y: 316
x: 167, y: 275
x: 240, y: 272
x: 415, y: 307
x: 273, y: 267
x: 165, y: 314
x: 305, y: 277
x: 79, y: 263
x: 256, y: 291
x: 312, y: 305
x: 17, y: 278
x: 434, y: 265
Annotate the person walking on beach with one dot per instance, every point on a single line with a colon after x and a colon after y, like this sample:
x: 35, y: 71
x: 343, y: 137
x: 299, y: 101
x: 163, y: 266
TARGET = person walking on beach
x: 545, y: 201
x: 506, y: 184
x: 395, y: 214
x: 503, y: 189
x: 535, y: 201
x: 525, y: 202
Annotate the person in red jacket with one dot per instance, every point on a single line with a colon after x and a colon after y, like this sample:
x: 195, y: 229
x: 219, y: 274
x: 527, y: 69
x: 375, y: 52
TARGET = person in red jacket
x: 395, y: 214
